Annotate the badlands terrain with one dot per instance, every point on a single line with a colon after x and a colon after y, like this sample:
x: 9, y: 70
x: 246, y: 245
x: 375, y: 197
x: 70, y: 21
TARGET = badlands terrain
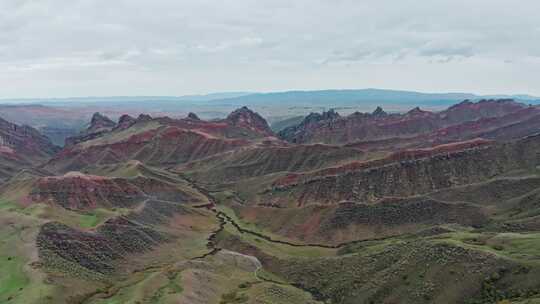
x: 411, y: 206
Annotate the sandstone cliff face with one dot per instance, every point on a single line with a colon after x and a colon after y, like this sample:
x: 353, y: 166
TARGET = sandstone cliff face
x: 22, y: 147
x: 407, y: 177
x: 25, y: 141
x: 379, y: 125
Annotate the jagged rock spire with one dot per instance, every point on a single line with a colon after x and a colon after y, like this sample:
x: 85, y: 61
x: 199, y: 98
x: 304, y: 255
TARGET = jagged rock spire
x: 193, y: 116
x: 379, y: 112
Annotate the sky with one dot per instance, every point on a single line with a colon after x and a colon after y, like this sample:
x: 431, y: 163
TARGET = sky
x: 58, y: 48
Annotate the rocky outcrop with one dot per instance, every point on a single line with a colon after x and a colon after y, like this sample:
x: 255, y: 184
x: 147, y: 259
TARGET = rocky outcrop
x: 99, y: 125
x: 247, y: 119
x: 100, y: 122
x: 298, y: 133
x: 144, y: 117
x: 379, y: 112
x: 193, y: 116
x: 125, y: 121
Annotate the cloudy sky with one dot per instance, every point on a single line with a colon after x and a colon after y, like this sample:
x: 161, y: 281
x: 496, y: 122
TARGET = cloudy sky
x: 59, y: 48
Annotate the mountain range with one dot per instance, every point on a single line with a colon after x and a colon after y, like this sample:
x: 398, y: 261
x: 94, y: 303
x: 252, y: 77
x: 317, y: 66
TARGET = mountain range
x: 413, y: 206
x: 59, y: 118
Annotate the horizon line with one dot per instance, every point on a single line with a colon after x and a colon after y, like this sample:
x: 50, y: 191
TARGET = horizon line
x: 246, y: 93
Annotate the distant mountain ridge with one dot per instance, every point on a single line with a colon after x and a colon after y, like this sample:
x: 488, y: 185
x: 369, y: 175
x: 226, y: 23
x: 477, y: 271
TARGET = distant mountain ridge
x: 60, y: 118
x: 337, y: 96
x: 332, y: 128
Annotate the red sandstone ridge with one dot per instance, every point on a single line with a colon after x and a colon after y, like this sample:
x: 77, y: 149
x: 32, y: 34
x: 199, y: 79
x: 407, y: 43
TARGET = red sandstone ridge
x: 518, y: 124
x: 441, y: 149
x: 268, y: 158
x: 332, y: 128
x: 468, y: 110
x: 79, y: 191
x: 162, y: 141
x: 404, y: 155
x: 415, y: 173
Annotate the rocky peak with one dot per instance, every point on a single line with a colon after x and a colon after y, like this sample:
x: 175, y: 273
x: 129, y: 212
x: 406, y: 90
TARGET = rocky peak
x: 464, y: 104
x: 99, y: 125
x: 416, y: 111
x: 144, y: 117
x: 126, y: 121
x: 316, y: 117
x: 100, y: 121
x: 311, y: 118
x: 330, y: 115
x: 193, y: 116
x: 246, y: 118
x: 310, y: 121
x: 379, y: 112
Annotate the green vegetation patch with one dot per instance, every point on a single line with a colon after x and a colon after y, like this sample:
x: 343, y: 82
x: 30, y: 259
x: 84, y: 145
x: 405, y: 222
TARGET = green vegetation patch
x: 520, y: 247
x: 233, y: 297
x: 12, y: 277
x: 8, y: 206
x: 18, y: 284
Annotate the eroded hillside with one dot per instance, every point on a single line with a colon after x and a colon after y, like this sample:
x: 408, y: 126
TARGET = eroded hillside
x: 419, y: 207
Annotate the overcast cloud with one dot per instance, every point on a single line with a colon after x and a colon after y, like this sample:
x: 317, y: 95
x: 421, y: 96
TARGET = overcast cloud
x: 58, y: 48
